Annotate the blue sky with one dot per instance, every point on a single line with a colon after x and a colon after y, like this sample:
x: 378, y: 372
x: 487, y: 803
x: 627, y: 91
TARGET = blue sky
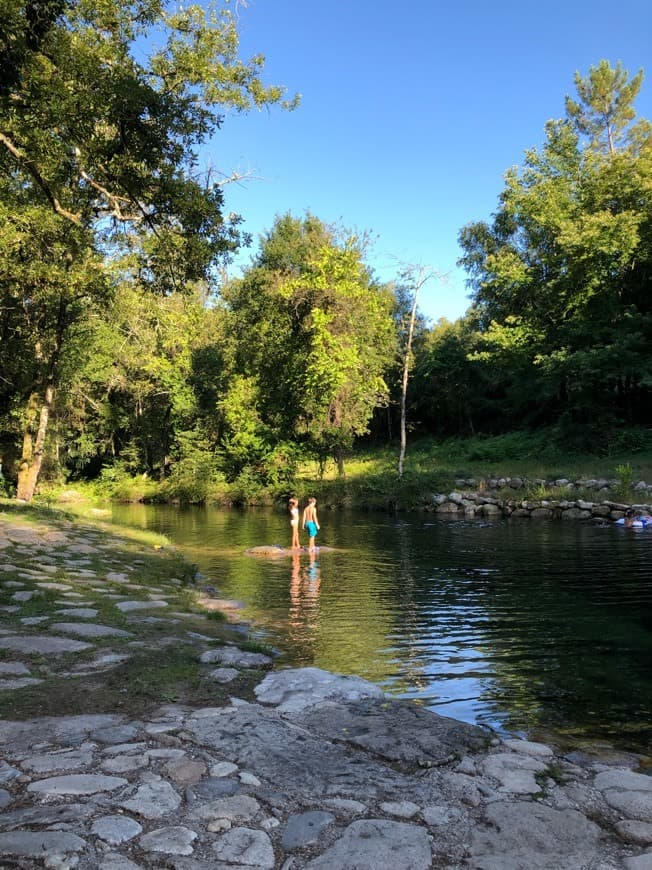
x: 411, y: 113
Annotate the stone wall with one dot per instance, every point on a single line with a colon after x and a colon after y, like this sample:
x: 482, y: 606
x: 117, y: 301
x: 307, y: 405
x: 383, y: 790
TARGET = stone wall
x: 508, y: 497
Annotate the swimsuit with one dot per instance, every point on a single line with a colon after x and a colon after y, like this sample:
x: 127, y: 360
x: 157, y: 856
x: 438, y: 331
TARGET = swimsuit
x: 294, y: 517
x: 311, y: 528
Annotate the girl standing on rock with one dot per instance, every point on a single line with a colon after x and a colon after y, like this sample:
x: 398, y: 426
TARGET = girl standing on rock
x: 294, y: 523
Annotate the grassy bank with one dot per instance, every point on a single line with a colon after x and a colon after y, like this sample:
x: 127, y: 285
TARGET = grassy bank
x: 372, y: 482
x: 434, y: 466
x: 159, y: 659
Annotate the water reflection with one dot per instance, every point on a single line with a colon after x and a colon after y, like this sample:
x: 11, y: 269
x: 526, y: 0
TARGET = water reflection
x: 303, y: 613
x: 517, y: 625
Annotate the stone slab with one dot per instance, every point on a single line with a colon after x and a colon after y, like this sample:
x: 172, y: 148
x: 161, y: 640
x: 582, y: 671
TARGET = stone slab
x: 43, y: 645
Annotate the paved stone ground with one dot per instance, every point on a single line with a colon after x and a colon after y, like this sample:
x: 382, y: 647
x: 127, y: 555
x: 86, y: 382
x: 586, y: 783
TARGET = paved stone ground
x: 320, y: 771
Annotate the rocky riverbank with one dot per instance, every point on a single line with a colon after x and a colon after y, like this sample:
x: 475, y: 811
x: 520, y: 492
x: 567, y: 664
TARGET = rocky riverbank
x: 512, y: 497
x: 308, y: 770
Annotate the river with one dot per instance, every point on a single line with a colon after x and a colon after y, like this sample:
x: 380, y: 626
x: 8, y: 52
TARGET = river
x: 532, y: 628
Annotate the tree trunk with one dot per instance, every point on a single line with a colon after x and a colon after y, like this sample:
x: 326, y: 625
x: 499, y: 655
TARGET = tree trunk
x: 406, y: 374
x: 340, y: 465
x: 32, y: 457
x: 416, y: 277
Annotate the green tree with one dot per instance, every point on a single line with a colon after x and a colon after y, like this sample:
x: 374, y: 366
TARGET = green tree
x: 604, y: 112
x: 102, y: 111
x: 131, y: 395
x: 314, y: 330
x: 560, y: 276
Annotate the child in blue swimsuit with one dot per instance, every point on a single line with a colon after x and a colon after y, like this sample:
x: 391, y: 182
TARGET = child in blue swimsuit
x: 310, y: 522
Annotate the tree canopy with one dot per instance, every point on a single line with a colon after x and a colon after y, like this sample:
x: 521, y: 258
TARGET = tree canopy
x: 103, y: 107
x: 561, y: 275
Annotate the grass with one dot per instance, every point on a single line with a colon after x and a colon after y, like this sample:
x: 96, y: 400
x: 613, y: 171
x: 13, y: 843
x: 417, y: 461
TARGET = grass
x: 434, y: 466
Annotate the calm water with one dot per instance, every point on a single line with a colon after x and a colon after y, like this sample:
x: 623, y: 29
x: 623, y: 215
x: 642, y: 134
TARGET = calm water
x: 528, y: 627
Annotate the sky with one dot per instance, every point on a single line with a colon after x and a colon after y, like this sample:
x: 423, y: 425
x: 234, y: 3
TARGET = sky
x: 410, y: 115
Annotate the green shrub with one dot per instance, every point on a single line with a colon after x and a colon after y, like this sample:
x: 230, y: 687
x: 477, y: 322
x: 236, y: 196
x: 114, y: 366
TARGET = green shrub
x: 625, y: 475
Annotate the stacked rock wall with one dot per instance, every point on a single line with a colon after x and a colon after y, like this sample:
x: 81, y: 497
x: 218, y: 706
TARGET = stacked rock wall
x: 511, y: 497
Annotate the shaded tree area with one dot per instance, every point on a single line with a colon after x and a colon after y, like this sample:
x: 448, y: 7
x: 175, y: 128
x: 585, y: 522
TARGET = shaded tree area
x: 99, y: 182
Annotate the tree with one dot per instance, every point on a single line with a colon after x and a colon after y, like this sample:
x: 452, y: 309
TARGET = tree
x: 604, y: 112
x: 315, y: 331
x: 412, y: 280
x: 560, y: 275
x: 107, y: 143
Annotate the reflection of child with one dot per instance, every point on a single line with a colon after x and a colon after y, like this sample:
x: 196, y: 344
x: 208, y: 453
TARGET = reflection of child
x: 310, y: 521
x: 294, y: 522
x: 312, y: 572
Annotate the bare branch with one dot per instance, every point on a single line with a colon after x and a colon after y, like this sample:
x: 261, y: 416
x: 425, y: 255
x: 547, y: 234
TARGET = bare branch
x: 236, y: 176
x: 113, y: 199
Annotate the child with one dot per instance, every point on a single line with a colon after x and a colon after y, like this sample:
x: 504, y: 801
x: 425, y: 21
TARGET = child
x: 294, y: 523
x: 310, y: 522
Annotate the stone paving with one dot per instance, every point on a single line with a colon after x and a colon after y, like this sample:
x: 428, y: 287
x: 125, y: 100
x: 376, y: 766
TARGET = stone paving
x: 320, y: 771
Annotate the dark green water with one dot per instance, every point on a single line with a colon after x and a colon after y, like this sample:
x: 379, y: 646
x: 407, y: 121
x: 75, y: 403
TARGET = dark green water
x: 528, y: 627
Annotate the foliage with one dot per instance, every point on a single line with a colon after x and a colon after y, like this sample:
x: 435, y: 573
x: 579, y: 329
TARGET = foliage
x: 311, y: 338
x: 625, y: 475
x: 98, y: 173
x: 560, y: 277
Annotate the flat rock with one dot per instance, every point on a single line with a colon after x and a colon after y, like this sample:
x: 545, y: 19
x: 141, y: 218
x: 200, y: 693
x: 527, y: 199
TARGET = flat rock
x: 528, y: 834
x: 527, y: 747
x: 246, y: 846
x: 18, y: 683
x: 296, y: 689
x: 61, y: 814
x: 287, y: 754
x: 33, y: 844
x: 224, y: 675
x: 514, y: 772
x: 67, y: 760
x: 305, y: 829
x: 77, y: 783
x: 174, y: 840
x: 238, y: 808
x: 130, y: 606
x: 394, y: 730
x: 24, y: 596
x: 153, y: 800
x: 369, y: 844
x: 49, y: 584
x: 231, y: 655
x: 116, y: 829
x: 628, y: 792
x: 115, y: 734
x: 78, y: 612
x: 639, y: 833
x: 115, y: 861
x: 276, y: 551
x: 89, y: 629
x: 42, y: 645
